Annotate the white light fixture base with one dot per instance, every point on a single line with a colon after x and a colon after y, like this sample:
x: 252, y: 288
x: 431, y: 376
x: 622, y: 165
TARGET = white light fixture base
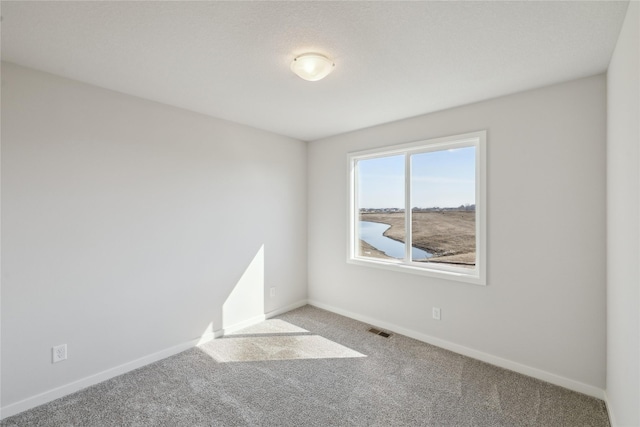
x: 312, y: 66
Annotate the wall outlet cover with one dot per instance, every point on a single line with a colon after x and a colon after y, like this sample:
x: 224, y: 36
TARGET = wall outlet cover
x: 59, y: 353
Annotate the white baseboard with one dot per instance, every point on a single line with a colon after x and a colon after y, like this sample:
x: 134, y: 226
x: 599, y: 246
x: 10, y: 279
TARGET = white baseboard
x: 287, y: 308
x: 244, y: 324
x: 475, y: 354
x: 257, y: 319
x: 612, y: 419
x: 58, y: 392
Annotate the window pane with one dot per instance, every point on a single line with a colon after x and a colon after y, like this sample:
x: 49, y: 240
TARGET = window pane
x: 443, y: 219
x: 445, y: 208
x: 380, y: 207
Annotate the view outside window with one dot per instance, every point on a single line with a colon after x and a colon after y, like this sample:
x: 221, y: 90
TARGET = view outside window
x: 442, y: 207
x: 381, y: 199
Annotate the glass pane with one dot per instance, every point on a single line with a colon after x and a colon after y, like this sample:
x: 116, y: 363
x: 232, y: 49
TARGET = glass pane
x: 380, y: 208
x: 443, y: 206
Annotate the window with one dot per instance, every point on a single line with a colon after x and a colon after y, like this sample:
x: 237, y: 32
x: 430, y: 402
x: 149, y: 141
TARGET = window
x: 420, y: 208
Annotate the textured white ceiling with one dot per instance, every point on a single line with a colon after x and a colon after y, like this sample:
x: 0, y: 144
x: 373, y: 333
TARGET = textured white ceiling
x: 393, y: 59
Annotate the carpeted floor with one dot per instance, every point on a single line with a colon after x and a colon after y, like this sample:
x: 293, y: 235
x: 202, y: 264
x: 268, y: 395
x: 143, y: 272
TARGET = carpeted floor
x: 310, y: 367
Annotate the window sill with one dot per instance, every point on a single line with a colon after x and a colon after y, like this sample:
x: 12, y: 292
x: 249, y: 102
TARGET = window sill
x: 458, y: 275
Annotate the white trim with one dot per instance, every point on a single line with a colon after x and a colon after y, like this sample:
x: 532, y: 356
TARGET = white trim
x: 58, y: 392
x: 408, y: 228
x: 477, y: 275
x: 434, y: 144
x: 286, y: 308
x: 475, y: 354
x: 612, y: 419
x: 434, y: 271
x: 257, y: 319
x: 244, y: 324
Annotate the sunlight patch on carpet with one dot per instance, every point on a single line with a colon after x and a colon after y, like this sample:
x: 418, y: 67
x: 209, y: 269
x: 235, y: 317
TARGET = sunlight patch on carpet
x: 271, y: 326
x: 251, y: 349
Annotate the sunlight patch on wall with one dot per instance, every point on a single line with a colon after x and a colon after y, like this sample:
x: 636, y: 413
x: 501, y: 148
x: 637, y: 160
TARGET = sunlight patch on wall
x: 246, y: 300
x: 207, y: 335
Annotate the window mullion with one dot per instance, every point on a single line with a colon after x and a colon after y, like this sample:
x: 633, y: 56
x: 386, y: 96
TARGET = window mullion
x: 427, y: 168
x: 354, y: 217
x: 407, y: 208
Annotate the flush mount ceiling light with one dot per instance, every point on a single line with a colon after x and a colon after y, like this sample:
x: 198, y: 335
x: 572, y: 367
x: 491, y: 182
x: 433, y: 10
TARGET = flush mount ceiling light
x: 312, y: 66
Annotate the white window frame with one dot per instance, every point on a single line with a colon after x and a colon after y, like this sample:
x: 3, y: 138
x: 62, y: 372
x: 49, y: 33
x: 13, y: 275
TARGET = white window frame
x: 476, y: 275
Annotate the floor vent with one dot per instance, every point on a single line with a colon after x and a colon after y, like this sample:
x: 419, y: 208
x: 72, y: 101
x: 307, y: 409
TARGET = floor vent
x: 379, y: 332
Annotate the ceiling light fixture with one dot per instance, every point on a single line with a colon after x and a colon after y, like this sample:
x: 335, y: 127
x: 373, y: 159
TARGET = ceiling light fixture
x: 312, y: 66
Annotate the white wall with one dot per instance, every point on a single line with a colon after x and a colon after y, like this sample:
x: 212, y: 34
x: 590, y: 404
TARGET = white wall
x: 126, y: 224
x: 543, y: 309
x: 623, y: 225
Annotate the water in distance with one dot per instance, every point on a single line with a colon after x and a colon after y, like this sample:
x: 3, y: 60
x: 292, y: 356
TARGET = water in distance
x: 372, y: 233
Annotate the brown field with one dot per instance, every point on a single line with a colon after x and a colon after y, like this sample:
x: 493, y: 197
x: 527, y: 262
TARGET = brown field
x: 448, y: 235
x: 371, y: 252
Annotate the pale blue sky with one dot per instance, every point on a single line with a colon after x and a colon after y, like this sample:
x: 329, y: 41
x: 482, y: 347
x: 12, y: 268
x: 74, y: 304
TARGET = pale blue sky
x: 439, y: 179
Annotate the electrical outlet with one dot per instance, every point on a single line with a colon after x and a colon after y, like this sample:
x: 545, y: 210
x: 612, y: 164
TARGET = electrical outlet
x: 59, y: 353
x: 272, y: 292
x: 436, y: 313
